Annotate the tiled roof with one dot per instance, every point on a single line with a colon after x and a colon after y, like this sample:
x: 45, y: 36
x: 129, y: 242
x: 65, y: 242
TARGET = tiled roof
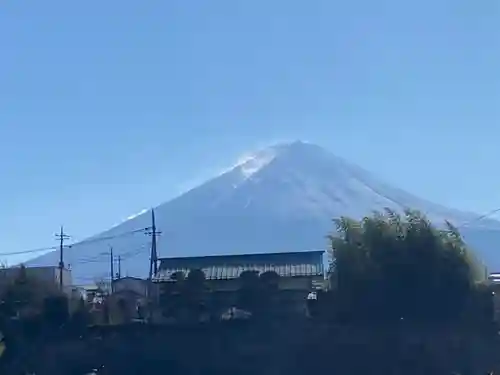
x: 229, y: 267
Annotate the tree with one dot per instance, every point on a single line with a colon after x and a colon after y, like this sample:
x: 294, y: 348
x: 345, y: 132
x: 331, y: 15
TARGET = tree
x: 391, y: 267
x: 178, y: 276
x: 124, y: 310
x: 81, y: 316
x: 269, y: 287
x: 185, y: 296
x: 194, y: 292
x: 270, y: 280
x: 171, y: 294
x: 25, y: 294
x: 249, y: 291
x: 196, y: 279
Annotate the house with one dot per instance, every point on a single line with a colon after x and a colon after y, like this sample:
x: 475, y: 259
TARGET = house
x: 300, y: 273
x: 128, y: 298
x: 494, y: 284
x: 48, y: 275
x: 92, y: 294
x: 130, y: 284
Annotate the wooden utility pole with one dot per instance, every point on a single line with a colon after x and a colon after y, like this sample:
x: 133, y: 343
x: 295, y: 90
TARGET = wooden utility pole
x: 119, y: 267
x: 61, y: 237
x: 111, y: 265
x: 153, y: 259
x: 153, y: 262
x: 153, y: 244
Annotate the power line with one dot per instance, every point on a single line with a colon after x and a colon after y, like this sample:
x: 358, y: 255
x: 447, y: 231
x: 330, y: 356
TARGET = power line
x: 92, y: 240
x: 38, y: 250
x: 481, y: 217
x: 147, y: 230
x: 100, y: 258
x: 125, y: 256
x: 49, y: 248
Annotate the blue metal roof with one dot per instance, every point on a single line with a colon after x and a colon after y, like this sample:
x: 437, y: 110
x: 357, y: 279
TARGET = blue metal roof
x: 306, y: 263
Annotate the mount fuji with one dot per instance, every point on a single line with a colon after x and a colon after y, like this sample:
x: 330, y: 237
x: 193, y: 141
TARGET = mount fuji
x: 280, y: 199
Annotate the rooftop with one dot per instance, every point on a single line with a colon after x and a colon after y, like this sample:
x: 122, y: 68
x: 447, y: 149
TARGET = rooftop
x: 223, y: 267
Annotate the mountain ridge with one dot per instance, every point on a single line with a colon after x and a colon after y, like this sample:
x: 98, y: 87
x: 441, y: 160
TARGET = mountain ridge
x: 281, y: 198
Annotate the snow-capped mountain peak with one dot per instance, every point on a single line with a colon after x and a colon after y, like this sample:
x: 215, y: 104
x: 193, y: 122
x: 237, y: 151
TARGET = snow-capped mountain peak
x: 281, y: 198
x: 250, y: 164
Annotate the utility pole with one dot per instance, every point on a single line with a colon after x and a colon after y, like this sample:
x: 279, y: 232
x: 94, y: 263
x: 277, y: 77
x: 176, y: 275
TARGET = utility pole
x: 111, y: 265
x: 61, y: 237
x: 119, y: 267
x: 153, y: 261
x: 153, y: 243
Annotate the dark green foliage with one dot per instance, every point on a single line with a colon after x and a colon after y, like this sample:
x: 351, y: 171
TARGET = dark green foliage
x: 270, y: 280
x: 185, y: 298
x: 249, y: 292
x: 178, y: 276
x: 258, y: 293
x: 195, y: 293
x: 399, y: 268
x: 56, y: 310
x: 269, y: 292
x: 25, y: 295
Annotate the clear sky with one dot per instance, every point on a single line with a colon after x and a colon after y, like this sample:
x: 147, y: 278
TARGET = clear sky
x: 110, y: 107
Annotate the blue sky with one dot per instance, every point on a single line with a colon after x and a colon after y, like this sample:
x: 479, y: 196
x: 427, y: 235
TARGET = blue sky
x: 109, y: 107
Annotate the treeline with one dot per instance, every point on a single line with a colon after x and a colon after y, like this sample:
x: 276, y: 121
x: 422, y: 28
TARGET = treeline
x: 392, y: 268
x: 188, y: 297
x: 403, y: 297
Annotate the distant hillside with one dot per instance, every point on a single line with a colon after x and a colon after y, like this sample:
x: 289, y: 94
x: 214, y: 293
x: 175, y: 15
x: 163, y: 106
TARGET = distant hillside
x: 280, y: 199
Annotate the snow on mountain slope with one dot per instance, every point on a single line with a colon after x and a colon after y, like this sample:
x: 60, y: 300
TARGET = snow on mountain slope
x: 280, y: 199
